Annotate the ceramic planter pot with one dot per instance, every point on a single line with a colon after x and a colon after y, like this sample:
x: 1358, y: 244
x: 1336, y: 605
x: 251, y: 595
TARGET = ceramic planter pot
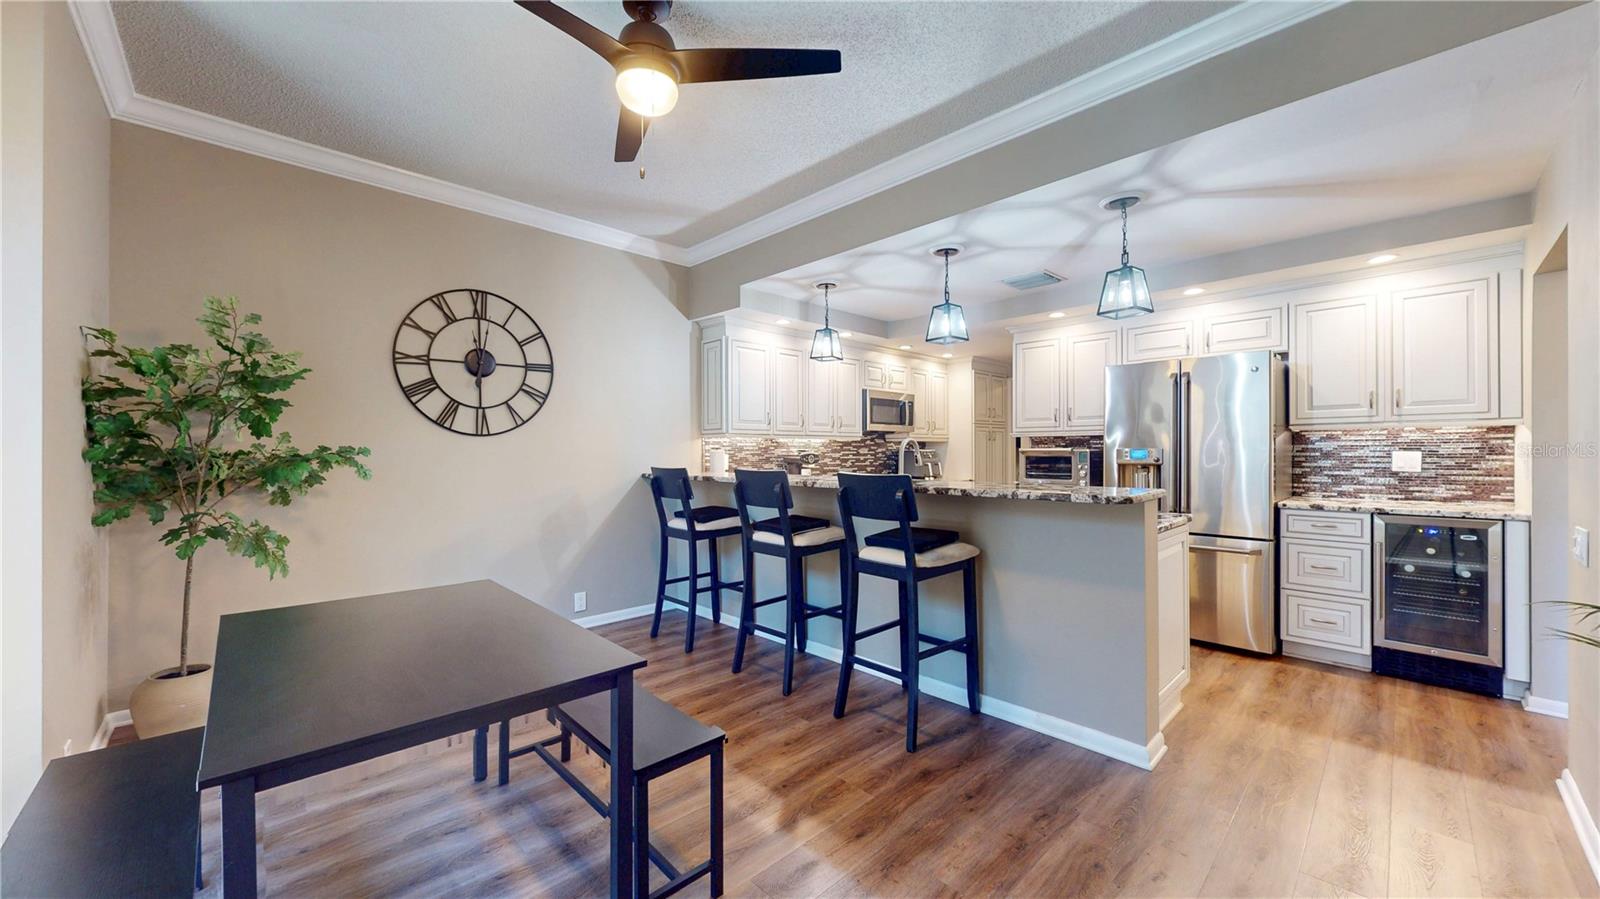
x: 165, y: 702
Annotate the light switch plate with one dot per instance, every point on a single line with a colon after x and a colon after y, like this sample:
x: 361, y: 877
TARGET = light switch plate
x: 580, y: 601
x: 1405, y: 460
x: 1580, y: 546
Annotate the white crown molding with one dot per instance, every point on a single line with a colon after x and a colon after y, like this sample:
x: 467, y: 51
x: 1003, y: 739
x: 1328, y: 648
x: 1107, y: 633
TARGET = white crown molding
x: 1234, y: 27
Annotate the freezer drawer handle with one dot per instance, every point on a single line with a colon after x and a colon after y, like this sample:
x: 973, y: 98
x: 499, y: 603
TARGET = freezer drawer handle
x: 1226, y: 549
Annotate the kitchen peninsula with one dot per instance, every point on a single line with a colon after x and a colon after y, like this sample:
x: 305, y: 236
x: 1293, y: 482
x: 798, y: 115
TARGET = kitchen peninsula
x: 1083, y: 605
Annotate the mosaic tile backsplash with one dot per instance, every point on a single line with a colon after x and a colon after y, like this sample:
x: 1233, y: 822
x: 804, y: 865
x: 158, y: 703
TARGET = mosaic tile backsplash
x: 1076, y: 441
x: 1458, y: 464
x: 869, y: 455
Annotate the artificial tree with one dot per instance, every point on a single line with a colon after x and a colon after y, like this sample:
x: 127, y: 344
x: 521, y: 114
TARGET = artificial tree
x: 182, y: 429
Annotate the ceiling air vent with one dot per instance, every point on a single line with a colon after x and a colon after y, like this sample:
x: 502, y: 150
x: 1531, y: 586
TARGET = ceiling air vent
x: 1033, y: 279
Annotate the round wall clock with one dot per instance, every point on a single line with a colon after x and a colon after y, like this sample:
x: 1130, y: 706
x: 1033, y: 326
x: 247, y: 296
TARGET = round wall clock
x: 473, y: 362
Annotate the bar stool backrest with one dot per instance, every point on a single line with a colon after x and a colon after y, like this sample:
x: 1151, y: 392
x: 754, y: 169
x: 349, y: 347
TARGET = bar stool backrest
x: 877, y: 497
x: 673, y: 484
x: 763, y: 489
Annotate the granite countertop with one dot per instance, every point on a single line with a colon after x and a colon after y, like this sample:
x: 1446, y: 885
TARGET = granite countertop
x: 1093, y: 495
x: 1170, y: 521
x: 1441, y: 508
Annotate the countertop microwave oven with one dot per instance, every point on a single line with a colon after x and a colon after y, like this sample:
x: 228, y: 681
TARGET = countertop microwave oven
x: 1059, y: 467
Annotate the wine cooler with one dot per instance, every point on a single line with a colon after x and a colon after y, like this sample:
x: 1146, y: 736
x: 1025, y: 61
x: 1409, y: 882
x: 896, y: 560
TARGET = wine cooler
x: 1438, y: 611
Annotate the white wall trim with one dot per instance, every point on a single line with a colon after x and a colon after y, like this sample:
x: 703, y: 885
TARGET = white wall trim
x: 1541, y: 706
x: 1146, y: 756
x: 1582, y: 822
x: 619, y: 615
x: 111, y: 721
x: 1232, y: 28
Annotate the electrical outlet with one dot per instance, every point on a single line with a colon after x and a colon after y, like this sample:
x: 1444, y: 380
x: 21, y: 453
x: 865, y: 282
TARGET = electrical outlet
x: 1405, y: 460
x: 580, y: 601
x: 1580, y: 546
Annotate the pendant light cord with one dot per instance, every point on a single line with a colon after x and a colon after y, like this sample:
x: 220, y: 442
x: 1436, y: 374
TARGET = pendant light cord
x: 825, y: 310
x: 1124, y: 233
x: 947, y: 278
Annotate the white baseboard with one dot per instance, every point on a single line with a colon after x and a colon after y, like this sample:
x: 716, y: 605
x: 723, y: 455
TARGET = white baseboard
x: 1146, y: 756
x: 1540, y: 706
x: 109, y: 723
x: 619, y: 615
x: 1582, y: 821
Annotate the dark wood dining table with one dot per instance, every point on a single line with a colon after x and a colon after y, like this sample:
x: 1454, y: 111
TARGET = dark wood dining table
x: 301, y: 690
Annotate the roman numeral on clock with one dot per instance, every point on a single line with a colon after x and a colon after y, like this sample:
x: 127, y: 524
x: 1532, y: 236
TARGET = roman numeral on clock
x: 537, y: 395
x: 415, y: 392
x: 537, y: 335
x: 481, y: 422
x: 516, y: 417
x: 447, y: 415
x: 480, y: 303
x: 535, y: 366
x: 401, y: 358
x: 443, y: 305
x: 412, y: 323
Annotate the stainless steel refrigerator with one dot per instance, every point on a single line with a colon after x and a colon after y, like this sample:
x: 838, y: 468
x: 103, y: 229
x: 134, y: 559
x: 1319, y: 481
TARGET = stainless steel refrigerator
x: 1219, y: 427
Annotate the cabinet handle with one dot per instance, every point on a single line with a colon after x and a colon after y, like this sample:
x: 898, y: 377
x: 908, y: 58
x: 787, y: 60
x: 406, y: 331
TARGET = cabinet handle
x: 1208, y: 341
x: 1397, y: 399
x: 1069, y: 415
x: 1326, y: 621
x: 1372, y: 400
x: 1323, y: 568
x: 1322, y: 525
x: 1055, y: 415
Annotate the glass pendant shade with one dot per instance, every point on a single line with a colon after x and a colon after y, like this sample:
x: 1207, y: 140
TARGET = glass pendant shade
x: 825, y: 346
x: 947, y: 324
x: 1125, y: 294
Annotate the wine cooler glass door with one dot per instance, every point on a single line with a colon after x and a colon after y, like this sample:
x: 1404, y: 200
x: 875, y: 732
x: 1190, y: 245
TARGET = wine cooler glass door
x: 1439, y: 590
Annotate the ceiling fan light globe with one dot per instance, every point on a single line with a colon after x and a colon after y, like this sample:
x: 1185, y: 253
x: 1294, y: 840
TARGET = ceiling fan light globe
x: 647, y: 91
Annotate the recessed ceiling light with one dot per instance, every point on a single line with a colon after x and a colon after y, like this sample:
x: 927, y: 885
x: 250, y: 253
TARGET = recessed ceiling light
x: 905, y: 346
x: 1381, y: 258
x: 1194, y: 291
x: 949, y: 355
x: 783, y: 321
x: 1058, y: 315
x: 846, y: 334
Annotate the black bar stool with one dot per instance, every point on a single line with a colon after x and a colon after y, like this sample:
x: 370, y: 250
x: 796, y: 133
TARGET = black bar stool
x: 906, y: 555
x: 690, y: 524
x: 791, y: 538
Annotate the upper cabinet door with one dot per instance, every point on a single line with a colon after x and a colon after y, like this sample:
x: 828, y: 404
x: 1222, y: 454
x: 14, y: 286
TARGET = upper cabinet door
x: 1443, y: 350
x: 820, y: 420
x: 847, y: 397
x: 1037, y: 387
x: 939, y: 403
x: 713, y: 387
x: 1334, y: 360
x: 1158, y: 340
x: 922, y: 412
x: 1087, y: 358
x: 749, y: 387
x: 993, y: 398
x: 1236, y: 332
x: 788, y: 391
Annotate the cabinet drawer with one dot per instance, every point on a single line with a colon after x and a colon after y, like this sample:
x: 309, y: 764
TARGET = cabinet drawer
x: 1328, y: 567
x: 1324, y: 621
x: 1339, y: 527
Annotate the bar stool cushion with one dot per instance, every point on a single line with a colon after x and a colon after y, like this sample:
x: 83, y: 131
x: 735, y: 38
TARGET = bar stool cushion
x: 944, y: 555
x: 797, y: 523
x: 922, y: 539
x: 704, y: 514
x: 719, y: 524
x: 813, y: 537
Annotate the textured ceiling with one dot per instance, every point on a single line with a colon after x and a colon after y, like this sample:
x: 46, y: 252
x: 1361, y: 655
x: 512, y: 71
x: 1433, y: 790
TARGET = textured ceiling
x: 487, y: 96
x: 1475, y: 123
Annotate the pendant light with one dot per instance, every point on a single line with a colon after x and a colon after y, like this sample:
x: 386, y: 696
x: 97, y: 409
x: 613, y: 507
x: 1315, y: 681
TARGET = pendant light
x: 825, y: 343
x: 947, y: 324
x: 1125, y: 293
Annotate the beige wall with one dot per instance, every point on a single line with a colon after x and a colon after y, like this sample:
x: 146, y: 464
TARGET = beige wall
x: 56, y: 139
x: 1568, y: 199
x: 554, y: 507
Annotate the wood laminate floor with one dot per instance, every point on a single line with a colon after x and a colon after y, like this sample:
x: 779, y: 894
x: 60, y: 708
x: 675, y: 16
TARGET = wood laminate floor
x: 1283, y: 779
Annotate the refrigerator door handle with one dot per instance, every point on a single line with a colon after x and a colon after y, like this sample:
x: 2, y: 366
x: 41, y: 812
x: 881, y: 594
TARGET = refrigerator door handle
x: 1185, y: 445
x: 1175, y: 498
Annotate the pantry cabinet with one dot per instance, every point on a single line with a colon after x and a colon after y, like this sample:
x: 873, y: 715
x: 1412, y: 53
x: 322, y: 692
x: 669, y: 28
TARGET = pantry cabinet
x: 1442, y: 350
x: 989, y: 398
x: 992, y: 456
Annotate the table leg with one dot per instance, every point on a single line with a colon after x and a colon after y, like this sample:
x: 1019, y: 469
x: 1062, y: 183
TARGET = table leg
x: 239, y: 838
x: 623, y: 875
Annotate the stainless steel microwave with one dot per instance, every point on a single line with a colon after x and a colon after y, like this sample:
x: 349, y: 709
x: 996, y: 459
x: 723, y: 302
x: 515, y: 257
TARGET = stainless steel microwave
x: 887, y: 411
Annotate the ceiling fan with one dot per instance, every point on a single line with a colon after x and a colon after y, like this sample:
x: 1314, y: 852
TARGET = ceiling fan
x: 650, y: 68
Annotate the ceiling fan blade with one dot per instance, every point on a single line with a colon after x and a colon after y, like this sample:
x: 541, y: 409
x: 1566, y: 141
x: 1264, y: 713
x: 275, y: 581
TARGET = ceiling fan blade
x: 744, y: 64
x: 630, y: 134
x: 588, y: 35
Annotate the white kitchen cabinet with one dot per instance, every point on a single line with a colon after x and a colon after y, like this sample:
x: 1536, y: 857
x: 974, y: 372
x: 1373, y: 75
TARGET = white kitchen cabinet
x: 713, y: 386
x: 1325, y: 586
x: 991, y: 456
x: 1036, y: 386
x: 1238, y: 332
x: 938, y: 404
x: 1158, y: 340
x: 1088, y: 354
x: 989, y: 398
x: 1334, y: 361
x: 749, y: 387
x: 833, y: 398
x: 788, y: 390
x: 1442, y: 350
x: 1172, y: 621
x: 922, y: 412
x: 1343, y: 624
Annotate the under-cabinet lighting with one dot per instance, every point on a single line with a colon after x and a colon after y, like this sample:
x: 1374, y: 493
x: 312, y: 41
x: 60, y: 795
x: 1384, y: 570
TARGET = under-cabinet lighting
x: 1194, y: 291
x: 1381, y: 258
x: 1058, y: 315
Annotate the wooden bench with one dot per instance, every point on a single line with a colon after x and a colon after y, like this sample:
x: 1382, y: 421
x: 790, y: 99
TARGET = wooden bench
x: 664, y: 739
x: 122, y: 821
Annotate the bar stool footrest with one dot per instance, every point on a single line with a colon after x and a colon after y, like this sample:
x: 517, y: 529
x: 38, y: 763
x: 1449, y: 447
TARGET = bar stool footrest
x: 879, y: 667
x: 959, y: 644
x: 878, y: 629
